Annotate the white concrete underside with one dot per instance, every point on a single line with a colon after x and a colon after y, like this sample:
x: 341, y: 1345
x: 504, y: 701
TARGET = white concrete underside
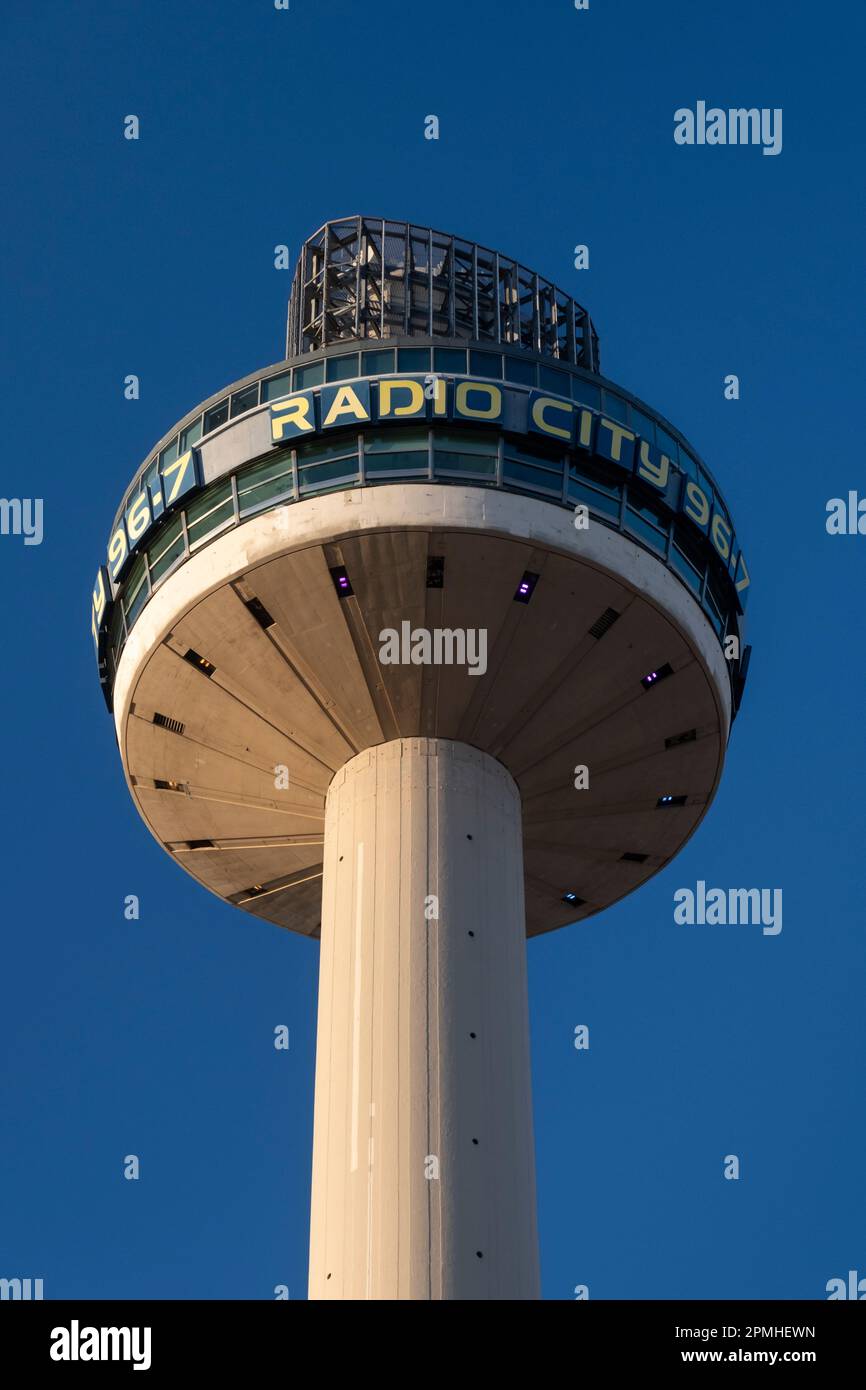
x: 310, y: 693
x: 423, y: 1160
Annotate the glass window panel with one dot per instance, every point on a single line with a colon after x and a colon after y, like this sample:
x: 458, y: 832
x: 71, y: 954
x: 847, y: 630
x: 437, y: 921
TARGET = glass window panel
x: 526, y: 475
x: 166, y: 549
x: 245, y: 400
x: 449, y: 360
x: 167, y: 456
x: 216, y: 416
x: 540, y: 456
x: 614, y: 407
x: 688, y: 464
x: 265, y: 481
x: 372, y: 363
x: 686, y: 569
x: 341, y: 368
x: 318, y: 451
x: 521, y: 370
x: 598, y: 501
x: 276, y: 386
x: 313, y: 375
x: 667, y: 444
x: 647, y: 532
x: 410, y: 461
x: 447, y: 462
x: 585, y: 393
x: 486, y: 364
x: 549, y: 379
x: 190, y: 436
x: 323, y: 475
x: 643, y: 425
x: 394, y: 441
x: 136, y: 591
x: 413, y: 359
x: 209, y: 511
x: 465, y: 442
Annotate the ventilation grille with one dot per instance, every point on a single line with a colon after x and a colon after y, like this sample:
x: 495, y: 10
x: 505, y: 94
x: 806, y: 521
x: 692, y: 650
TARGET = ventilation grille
x: 676, y: 739
x: 604, y: 623
x: 162, y: 721
x: 435, y: 571
x: 200, y: 844
x: 260, y: 613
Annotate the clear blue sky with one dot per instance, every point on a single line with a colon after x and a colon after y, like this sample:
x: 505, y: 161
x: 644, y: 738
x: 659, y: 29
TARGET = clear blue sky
x: 156, y: 257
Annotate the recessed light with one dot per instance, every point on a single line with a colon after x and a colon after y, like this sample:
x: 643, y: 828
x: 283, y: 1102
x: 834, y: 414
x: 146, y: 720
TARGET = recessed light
x: 670, y: 801
x: 573, y: 900
x: 200, y: 663
x: 653, y: 677
x: 341, y: 581
x: 526, y: 587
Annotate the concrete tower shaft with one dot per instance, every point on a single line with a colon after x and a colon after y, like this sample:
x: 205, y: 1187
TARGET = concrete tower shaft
x: 423, y: 1161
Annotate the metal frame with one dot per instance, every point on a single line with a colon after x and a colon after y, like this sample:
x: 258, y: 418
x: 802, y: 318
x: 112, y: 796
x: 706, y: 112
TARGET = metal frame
x: 357, y: 279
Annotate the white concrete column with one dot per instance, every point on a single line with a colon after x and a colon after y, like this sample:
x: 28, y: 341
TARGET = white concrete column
x: 423, y: 1156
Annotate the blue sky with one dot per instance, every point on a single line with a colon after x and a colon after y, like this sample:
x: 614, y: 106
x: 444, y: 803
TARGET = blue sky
x: 156, y: 257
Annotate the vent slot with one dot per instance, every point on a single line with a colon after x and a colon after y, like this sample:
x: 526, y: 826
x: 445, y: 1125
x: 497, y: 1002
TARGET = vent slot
x: 604, y: 623
x: 630, y: 858
x: 260, y: 613
x: 162, y: 721
x: 676, y: 740
x: 435, y: 571
x: 200, y: 663
x: 200, y: 844
x: 163, y: 786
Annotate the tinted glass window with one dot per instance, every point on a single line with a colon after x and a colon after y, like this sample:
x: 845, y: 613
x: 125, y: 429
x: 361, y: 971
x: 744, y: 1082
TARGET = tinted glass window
x: 313, y: 375
x: 276, y: 386
x: 486, y: 364
x: 449, y: 360
x: 216, y: 416
x: 413, y: 359
x: 372, y: 363
x: 341, y: 368
x: 245, y: 400
x: 521, y: 370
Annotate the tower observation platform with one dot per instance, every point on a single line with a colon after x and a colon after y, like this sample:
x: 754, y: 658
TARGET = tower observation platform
x: 425, y: 639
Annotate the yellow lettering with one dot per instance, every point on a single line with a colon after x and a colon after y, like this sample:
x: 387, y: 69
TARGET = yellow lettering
x: 617, y: 434
x: 416, y: 397
x: 697, y: 504
x: 345, y: 403
x: 539, y: 408
x: 720, y: 534
x: 295, y: 411
x: 655, y: 473
x: 494, y: 400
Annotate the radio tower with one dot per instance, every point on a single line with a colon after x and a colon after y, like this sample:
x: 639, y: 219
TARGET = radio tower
x: 424, y: 640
